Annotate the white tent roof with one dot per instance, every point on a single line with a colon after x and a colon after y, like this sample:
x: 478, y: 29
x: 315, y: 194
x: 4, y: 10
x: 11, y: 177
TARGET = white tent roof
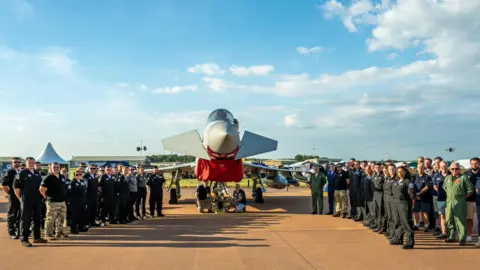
x: 49, y: 155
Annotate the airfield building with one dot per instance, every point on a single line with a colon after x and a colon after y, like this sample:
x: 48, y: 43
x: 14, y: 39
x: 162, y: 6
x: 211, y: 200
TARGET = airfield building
x: 109, y: 160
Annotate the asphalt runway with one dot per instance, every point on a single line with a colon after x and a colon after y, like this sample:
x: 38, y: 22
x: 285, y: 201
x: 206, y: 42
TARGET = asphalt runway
x: 279, y: 234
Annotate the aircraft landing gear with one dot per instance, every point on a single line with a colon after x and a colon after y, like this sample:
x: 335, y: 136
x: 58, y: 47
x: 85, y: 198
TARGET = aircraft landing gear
x: 173, y: 196
x: 259, y: 195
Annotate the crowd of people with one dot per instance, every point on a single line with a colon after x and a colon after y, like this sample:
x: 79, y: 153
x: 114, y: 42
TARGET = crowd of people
x: 396, y: 201
x: 96, y: 195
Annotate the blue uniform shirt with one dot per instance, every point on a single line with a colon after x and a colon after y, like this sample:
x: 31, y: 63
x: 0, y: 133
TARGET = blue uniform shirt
x: 438, y: 181
x: 331, y: 180
x: 420, y: 183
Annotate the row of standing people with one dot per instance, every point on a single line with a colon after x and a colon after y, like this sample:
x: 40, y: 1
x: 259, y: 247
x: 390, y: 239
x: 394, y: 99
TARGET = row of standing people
x: 392, y: 201
x: 45, y: 201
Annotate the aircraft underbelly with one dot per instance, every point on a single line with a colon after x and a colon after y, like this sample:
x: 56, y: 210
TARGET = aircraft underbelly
x: 219, y: 170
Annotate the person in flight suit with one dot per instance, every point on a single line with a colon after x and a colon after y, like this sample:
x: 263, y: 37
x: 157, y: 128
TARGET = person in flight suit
x: 388, y: 200
x: 78, y: 201
x: 316, y: 182
x: 357, y: 192
x: 27, y: 190
x: 458, y: 189
x: 14, y: 209
x: 403, y: 194
x: 368, y: 206
x: 141, y: 193
x: 331, y: 188
x: 107, y: 191
x: 155, y: 183
x: 91, y: 179
x: 379, y: 206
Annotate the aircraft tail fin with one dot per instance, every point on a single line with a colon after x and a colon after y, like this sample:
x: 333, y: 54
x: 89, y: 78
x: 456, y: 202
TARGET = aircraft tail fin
x: 253, y: 144
x: 188, y: 143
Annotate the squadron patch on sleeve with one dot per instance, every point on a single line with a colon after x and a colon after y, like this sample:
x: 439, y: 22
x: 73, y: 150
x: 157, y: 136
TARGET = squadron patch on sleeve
x: 411, y: 185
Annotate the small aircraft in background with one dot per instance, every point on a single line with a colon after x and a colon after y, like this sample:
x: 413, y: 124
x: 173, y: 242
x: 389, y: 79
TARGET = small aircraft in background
x: 220, y: 155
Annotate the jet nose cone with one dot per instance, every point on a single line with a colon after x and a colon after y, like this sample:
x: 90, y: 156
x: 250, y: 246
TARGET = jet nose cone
x: 221, y: 138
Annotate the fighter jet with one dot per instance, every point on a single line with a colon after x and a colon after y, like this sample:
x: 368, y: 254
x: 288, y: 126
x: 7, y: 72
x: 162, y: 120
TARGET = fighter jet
x: 220, y: 154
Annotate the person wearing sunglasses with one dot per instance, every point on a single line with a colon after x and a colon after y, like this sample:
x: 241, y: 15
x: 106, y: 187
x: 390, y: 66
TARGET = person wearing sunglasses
x: 27, y: 185
x: 91, y: 179
x: 13, y: 218
x: 53, y: 190
x: 78, y: 201
x: 458, y: 189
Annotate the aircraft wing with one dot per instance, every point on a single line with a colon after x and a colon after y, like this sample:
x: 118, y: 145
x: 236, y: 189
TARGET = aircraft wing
x: 298, y: 175
x: 185, y: 167
x: 188, y: 143
x: 253, y: 144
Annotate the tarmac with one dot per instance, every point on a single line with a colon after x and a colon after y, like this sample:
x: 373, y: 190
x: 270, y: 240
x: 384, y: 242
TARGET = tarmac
x: 279, y: 234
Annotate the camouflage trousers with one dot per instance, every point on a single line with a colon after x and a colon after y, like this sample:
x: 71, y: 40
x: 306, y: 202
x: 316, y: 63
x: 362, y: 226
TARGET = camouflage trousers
x: 341, y: 202
x: 56, y: 213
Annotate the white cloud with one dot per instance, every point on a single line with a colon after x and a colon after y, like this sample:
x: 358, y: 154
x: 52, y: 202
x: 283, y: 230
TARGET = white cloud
x: 209, y: 69
x: 304, y: 85
x: 189, y: 118
x: 307, y: 51
x: 58, y: 61
x: 392, y: 56
x: 291, y: 120
x: 217, y: 84
x: 261, y: 70
x: 175, y: 89
x: 359, y: 12
x: 143, y: 87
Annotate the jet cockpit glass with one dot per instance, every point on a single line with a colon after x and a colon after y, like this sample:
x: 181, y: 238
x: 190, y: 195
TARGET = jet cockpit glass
x: 220, y: 115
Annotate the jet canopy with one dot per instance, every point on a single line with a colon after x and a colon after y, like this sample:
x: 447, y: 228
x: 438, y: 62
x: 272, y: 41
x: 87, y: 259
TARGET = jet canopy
x: 220, y: 115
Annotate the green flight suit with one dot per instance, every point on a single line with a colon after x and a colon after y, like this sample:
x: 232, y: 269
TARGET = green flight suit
x: 317, y: 183
x: 457, y: 189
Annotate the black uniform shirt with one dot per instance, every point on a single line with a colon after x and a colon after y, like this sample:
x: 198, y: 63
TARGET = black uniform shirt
x: 107, y: 185
x: 55, y: 188
x: 438, y: 180
x: 92, y: 183
x: 155, y: 181
x: 420, y: 183
x: 9, y: 177
x: 341, y: 180
x: 473, y: 177
x: 29, y: 185
x: 356, y: 179
x: 201, y: 192
x: 78, y: 192
x: 121, y: 186
x: 237, y: 194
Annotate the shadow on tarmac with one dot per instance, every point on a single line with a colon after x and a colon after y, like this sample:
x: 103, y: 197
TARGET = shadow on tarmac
x: 180, y: 231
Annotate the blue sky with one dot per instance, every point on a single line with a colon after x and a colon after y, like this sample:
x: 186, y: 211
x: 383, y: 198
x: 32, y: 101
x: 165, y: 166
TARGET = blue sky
x: 348, y: 78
